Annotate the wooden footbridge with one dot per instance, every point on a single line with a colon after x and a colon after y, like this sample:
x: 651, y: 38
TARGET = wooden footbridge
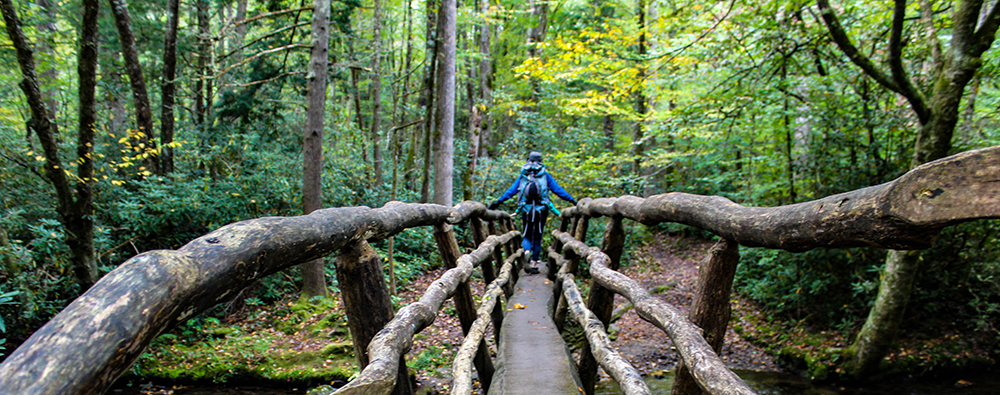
x: 100, y: 334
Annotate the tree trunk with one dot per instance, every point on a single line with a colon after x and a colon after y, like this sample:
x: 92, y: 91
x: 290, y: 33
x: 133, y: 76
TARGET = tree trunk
x: 444, y: 130
x: 601, y: 300
x: 49, y: 77
x: 313, y: 281
x: 75, y: 212
x: 639, y: 132
x: 377, y: 94
x: 169, y: 87
x: 428, y: 97
x: 367, y: 303
x: 973, y: 33
x: 143, y: 111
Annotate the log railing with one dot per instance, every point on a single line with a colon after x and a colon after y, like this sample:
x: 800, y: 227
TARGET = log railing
x: 99, y: 335
x: 906, y: 213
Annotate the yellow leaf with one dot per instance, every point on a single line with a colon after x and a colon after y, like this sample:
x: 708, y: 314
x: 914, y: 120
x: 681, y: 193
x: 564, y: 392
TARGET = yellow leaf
x: 519, y: 306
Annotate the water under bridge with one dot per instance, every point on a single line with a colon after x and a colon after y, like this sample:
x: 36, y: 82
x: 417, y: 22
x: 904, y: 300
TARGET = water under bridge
x: 101, y: 334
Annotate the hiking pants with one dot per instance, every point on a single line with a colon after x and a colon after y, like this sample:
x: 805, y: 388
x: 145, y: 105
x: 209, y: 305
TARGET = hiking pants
x: 534, y: 225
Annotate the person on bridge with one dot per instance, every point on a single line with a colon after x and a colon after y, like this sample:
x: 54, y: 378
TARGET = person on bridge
x: 532, y: 187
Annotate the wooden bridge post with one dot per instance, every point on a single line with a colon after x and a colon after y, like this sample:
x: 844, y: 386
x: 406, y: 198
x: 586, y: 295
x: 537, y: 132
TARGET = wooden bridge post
x: 367, y: 303
x: 557, y: 245
x: 465, y: 305
x: 479, y: 235
x: 601, y: 300
x: 710, y: 309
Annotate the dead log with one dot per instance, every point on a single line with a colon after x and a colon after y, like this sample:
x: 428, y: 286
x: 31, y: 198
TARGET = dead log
x: 906, y: 213
x: 100, y: 334
x: 396, y: 338
x: 620, y: 370
x: 706, y: 366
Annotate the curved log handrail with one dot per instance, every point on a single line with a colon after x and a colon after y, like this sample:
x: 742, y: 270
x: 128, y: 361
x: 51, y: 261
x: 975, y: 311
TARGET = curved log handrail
x: 627, y: 377
x: 100, y: 334
x: 906, y: 213
x: 396, y: 338
x: 462, y: 364
x: 706, y: 367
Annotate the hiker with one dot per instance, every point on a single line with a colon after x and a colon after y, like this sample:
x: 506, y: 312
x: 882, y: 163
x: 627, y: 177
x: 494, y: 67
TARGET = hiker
x: 533, y: 186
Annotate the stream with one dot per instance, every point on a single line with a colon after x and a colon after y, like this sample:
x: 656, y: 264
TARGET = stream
x: 764, y: 383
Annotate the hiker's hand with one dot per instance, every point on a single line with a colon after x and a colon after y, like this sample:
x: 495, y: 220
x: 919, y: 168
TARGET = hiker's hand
x: 494, y: 205
x: 572, y: 201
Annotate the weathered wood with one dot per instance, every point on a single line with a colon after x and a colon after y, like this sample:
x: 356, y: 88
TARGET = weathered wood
x: 710, y: 308
x: 706, y: 366
x: 366, y: 302
x: 101, y: 333
x: 906, y: 213
x: 465, y: 305
x: 462, y: 365
x: 564, y: 266
x: 601, y: 300
x: 396, y: 338
x: 620, y: 370
x: 479, y: 236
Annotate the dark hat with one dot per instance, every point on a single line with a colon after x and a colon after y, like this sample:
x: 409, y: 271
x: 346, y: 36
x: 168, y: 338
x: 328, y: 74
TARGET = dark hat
x: 535, y: 157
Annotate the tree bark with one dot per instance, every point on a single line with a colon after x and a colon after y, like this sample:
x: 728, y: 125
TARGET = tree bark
x: 639, y: 132
x: 169, y: 87
x: 428, y: 97
x: 140, y: 97
x: 313, y: 280
x: 367, y: 303
x: 75, y: 209
x: 710, y: 308
x: 377, y: 95
x: 444, y: 130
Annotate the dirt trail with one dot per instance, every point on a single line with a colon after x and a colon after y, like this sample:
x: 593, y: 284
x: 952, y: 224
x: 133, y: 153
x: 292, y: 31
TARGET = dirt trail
x: 674, y: 260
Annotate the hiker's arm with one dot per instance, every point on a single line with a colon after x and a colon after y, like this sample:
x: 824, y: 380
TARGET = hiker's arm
x: 558, y: 190
x: 507, y: 195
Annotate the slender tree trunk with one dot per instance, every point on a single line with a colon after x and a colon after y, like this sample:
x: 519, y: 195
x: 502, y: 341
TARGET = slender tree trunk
x: 639, y: 130
x: 75, y: 212
x: 444, y: 131
x: 49, y: 77
x: 143, y: 111
x: 433, y: 43
x: 313, y: 281
x: 485, y: 85
x: 377, y: 94
x: 409, y: 163
x: 169, y: 87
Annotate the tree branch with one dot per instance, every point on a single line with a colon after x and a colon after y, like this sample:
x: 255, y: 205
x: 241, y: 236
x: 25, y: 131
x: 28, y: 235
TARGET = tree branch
x: 839, y: 36
x: 896, y: 64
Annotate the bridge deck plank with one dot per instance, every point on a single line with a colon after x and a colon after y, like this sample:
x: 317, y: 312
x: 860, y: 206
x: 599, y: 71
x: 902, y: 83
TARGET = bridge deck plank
x: 534, y: 357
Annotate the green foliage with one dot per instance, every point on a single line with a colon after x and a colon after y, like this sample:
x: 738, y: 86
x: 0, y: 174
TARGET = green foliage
x: 823, y: 287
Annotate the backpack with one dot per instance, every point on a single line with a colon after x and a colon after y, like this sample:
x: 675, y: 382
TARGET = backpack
x: 533, y: 192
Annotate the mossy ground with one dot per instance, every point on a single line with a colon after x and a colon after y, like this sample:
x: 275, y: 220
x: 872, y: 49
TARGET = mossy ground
x: 291, y: 342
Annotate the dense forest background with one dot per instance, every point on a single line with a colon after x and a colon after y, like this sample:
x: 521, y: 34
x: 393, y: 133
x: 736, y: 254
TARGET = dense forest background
x: 748, y: 100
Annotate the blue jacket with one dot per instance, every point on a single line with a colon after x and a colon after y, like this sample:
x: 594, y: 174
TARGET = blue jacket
x: 552, y: 185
